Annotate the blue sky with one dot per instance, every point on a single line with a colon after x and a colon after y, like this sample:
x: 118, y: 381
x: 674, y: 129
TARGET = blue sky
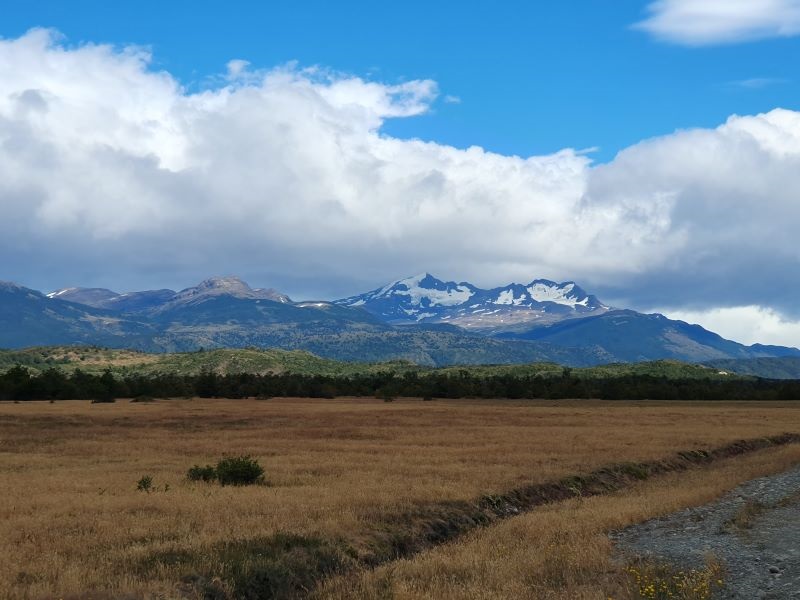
x: 365, y: 142
x: 531, y: 77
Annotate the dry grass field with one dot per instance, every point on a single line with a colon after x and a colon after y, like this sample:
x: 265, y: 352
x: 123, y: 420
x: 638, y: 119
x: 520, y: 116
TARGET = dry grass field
x: 556, y: 552
x: 72, y: 523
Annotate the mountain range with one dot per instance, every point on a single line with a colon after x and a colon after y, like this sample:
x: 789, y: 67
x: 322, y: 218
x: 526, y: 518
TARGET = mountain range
x: 425, y: 299
x: 421, y: 319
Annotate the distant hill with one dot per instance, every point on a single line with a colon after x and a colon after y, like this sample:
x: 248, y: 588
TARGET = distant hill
x: 95, y: 360
x: 783, y: 367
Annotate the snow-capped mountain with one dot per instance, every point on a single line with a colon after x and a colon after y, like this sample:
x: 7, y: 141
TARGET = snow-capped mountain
x: 426, y: 299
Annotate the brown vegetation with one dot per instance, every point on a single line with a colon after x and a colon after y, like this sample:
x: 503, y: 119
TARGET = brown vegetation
x: 73, y: 521
x: 563, y: 551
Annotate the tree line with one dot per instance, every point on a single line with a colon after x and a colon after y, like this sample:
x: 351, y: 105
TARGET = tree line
x: 20, y: 384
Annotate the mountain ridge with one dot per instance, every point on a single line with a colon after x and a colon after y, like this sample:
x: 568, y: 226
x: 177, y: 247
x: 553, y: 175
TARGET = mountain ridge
x: 539, y: 321
x: 425, y: 299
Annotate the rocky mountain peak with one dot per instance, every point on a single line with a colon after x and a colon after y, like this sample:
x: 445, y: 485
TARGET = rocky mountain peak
x: 228, y: 285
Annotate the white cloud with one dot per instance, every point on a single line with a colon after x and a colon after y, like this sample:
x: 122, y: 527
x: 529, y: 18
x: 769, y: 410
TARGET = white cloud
x: 757, y: 83
x: 706, y: 22
x: 112, y: 174
x: 745, y: 324
x: 237, y: 67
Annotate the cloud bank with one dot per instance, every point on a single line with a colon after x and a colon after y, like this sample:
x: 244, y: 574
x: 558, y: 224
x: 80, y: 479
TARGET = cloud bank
x: 113, y: 174
x: 708, y: 22
x: 745, y: 324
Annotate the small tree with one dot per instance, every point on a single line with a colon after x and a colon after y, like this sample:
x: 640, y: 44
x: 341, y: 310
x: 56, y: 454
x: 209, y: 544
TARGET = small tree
x: 239, y: 470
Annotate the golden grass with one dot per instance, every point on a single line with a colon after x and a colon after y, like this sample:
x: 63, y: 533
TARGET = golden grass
x: 71, y: 520
x: 563, y: 551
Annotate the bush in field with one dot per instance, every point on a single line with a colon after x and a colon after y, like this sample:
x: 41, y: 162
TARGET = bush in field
x: 239, y: 470
x: 145, y: 484
x: 198, y: 473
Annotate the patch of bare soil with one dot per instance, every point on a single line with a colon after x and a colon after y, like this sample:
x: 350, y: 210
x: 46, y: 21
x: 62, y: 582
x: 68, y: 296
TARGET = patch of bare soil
x: 754, y: 531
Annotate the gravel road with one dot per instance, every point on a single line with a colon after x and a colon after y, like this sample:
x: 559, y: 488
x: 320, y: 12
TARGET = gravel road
x: 760, y: 552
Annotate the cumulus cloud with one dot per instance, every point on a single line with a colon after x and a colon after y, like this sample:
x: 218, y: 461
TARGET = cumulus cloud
x: 728, y: 235
x: 113, y: 174
x: 706, y: 22
x: 745, y: 324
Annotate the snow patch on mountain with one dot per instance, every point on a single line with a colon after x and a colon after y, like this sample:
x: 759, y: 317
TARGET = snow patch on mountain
x: 417, y: 292
x: 549, y: 291
x: 507, y: 297
x: 58, y: 293
x: 422, y: 290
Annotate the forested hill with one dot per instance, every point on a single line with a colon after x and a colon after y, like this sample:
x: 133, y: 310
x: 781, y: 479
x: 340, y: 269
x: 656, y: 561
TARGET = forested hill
x: 94, y: 360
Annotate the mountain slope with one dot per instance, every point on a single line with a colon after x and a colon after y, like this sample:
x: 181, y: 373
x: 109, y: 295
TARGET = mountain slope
x: 106, y: 299
x: 633, y: 337
x: 94, y: 297
x: 28, y: 318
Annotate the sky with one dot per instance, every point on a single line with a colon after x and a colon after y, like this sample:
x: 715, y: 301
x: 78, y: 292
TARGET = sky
x: 649, y: 151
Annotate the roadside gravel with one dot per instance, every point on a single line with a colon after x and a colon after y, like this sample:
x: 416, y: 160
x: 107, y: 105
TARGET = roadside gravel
x: 754, y: 531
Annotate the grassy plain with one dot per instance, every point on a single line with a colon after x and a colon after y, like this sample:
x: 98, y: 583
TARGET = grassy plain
x: 72, y: 522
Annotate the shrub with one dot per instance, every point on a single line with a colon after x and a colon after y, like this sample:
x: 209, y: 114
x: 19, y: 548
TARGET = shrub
x: 145, y: 484
x: 198, y: 473
x: 239, y: 470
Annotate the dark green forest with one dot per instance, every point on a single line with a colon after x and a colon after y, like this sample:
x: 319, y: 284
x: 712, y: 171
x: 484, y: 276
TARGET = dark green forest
x: 19, y: 384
